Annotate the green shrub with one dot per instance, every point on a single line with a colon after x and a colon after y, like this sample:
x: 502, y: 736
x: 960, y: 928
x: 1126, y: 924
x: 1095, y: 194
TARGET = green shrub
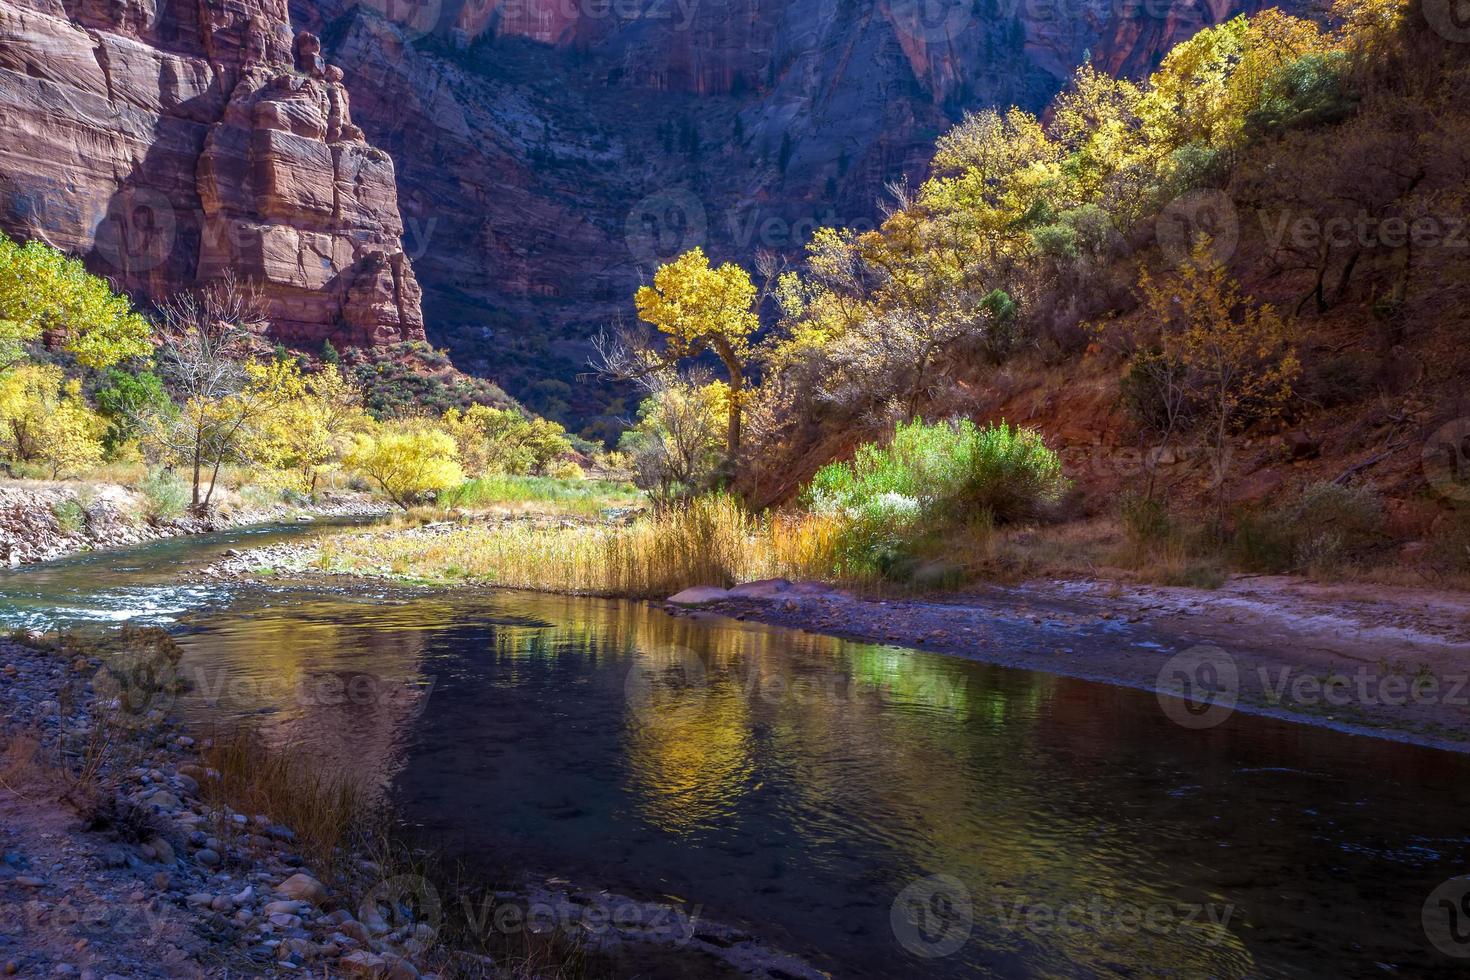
x: 1326, y: 525
x: 165, y: 495
x: 930, y: 477
x: 1146, y: 520
x: 70, y: 515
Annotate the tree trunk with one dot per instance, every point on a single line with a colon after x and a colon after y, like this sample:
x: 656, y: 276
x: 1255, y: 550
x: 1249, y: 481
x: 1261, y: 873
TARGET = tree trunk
x: 732, y: 436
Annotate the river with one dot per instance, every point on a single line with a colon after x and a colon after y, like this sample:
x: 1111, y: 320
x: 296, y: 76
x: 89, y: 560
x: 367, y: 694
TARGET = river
x: 883, y: 812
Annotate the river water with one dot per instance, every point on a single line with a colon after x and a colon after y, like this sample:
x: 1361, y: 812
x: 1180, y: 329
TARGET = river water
x: 883, y: 812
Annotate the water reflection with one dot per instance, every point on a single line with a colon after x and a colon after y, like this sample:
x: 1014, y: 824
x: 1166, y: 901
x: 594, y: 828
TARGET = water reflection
x: 813, y: 788
x: 886, y: 812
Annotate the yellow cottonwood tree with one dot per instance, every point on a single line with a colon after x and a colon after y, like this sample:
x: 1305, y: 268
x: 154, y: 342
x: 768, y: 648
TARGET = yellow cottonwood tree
x: 700, y: 307
x: 1235, y: 359
x: 304, y: 436
x: 45, y: 419
x: 42, y: 292
x: 408, y: 460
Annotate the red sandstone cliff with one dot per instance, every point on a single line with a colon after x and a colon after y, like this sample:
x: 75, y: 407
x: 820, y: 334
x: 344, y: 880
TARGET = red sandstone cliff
x: 166, y: 143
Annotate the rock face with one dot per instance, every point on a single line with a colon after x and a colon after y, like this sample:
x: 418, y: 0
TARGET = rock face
x: 550, y: 153
x: 168, y: 141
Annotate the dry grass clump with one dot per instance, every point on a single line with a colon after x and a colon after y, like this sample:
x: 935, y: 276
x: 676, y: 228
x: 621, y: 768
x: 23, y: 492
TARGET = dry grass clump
x: 708, y: 541
x: 328, y: 811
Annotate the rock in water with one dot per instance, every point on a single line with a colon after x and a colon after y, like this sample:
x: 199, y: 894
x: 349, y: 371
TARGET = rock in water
x: 699, y: 595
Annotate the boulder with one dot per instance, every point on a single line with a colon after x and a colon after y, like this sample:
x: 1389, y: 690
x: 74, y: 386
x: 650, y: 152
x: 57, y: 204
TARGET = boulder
x: 699, y: 595
x: 302, y: 888
x: 767, y: 588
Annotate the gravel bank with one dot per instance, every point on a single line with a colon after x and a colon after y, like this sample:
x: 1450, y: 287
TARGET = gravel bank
x: 114, y: 864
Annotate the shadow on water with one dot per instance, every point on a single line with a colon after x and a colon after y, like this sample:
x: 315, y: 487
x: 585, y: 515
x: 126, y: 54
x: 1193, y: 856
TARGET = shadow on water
x: 885, y: 812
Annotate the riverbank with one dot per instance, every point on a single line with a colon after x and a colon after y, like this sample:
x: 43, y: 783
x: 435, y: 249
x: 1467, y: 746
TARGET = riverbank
x: 43, y: 520
x: 121, y: 859
x: 1382, y: 660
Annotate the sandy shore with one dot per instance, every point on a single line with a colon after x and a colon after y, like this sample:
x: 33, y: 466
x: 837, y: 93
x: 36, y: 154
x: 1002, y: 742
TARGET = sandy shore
x: 1372, y: 660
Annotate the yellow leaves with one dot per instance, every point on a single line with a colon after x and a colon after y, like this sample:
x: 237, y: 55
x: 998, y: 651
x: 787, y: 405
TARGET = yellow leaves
x: 306, y: 422
x: 44, y: 418
x: 1237, y: 356
x: 698, y: 305
x: 498, y: 440
x: 989, y: 145
x: 408, y: 459
x: 44, y: 292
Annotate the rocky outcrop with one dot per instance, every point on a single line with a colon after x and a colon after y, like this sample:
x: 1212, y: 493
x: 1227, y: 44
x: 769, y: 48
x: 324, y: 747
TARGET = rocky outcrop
x: 167, y: 143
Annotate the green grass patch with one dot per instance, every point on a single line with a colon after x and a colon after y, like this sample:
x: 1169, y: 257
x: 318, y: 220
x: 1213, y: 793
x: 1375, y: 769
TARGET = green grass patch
x: 542, y: 492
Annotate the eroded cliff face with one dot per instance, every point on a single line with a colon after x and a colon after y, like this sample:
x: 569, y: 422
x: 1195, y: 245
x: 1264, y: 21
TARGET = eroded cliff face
x: 169, y: 142
x: 549, y: 153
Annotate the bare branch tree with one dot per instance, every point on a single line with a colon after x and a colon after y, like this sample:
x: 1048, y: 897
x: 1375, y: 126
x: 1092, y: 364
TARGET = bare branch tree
x: 207, y: 335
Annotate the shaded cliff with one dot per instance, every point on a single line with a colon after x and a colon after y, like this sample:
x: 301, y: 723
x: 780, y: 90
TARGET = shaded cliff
x: 551, y: 152
x: 168, y: 143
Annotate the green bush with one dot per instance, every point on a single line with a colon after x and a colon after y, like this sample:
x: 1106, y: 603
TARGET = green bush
x: 929, y: 477
x: 1146, y: 520
x: 165, y: 495
x: 70, y: 515
x: 1326, y: 525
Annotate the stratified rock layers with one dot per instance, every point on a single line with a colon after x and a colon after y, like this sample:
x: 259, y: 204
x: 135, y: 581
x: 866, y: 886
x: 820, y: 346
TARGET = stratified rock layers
x: 169, y: 144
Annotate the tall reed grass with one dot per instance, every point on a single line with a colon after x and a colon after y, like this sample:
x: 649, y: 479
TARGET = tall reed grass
x: 328, y: 811
x: 708, y: 541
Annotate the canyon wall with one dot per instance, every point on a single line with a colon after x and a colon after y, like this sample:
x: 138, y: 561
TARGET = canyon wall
x: 169, y: 142
x: 549, y: 153
x: 552, y: 152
